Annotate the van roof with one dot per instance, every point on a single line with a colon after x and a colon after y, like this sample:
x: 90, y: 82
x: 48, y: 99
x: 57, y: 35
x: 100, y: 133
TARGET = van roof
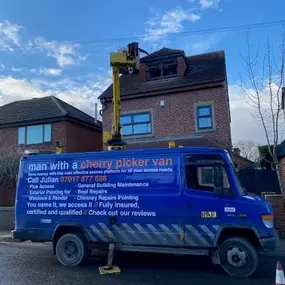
x: 156, y: 151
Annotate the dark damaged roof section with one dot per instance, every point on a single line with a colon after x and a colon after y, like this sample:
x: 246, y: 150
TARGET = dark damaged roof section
x: 208, y: 68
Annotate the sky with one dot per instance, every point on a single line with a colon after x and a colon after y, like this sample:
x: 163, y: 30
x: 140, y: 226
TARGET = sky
x: 61, y: 48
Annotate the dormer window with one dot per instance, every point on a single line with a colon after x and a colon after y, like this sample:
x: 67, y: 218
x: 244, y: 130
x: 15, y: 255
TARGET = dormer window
x: 162, y: 68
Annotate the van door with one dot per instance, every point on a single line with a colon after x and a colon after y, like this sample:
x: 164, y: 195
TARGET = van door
x: 204, y: 210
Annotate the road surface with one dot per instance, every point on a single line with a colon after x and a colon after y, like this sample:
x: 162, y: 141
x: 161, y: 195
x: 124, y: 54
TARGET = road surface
x: 31, y: 265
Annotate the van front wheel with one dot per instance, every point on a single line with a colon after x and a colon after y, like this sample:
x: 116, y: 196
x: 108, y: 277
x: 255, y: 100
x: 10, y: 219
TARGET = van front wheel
x: 71, y: 249
x: 238, y: 257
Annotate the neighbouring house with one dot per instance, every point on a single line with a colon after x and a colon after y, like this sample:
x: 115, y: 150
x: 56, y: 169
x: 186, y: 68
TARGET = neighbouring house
x: 240, y: 161
x: 174, y: 97
x: 42, y: 122
x: 39, y: 124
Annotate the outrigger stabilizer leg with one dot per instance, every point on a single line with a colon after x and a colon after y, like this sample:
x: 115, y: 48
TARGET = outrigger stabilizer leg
x: 110, y: 268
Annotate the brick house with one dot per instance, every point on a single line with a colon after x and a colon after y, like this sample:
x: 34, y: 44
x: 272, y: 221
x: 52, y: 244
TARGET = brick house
x: 174, y: 97
x: 240, y: 161
x: 41, y: 122
x: 38, y: 124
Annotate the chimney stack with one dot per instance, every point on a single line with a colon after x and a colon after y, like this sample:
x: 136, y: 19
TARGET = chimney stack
x: 96, y: 111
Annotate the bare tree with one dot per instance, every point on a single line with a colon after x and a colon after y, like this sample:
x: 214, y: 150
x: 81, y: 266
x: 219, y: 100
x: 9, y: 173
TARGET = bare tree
x: 10, y: 155
x: 263, y: 93
x: 248, y: 149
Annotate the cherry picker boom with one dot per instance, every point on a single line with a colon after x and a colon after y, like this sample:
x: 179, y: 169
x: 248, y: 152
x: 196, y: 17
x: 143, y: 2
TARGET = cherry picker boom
x: 126, y: 61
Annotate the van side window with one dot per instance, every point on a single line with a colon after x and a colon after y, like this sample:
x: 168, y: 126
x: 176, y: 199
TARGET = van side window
x: 200, y: 172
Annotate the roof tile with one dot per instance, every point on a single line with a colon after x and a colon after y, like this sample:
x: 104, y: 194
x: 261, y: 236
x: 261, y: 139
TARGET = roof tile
x: 201, y: 69
x: 43, y: 108
x: 162, y: 52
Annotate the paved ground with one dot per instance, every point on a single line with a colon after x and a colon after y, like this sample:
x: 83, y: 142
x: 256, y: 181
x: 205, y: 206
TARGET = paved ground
x: 29, y: 264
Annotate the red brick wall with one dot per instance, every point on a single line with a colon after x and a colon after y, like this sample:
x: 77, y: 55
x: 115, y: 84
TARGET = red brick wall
x: 76, y: 137
x: 7, y: 195
x: 241, y: 163
x: 277, y: 203
x: 9, y: 144
x: 177, y: 118
x: 80, y: 139
x: 282, y: 171
x: 9, y: 138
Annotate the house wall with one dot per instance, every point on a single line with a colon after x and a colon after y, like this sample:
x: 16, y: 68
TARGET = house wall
x: 282, y: 172
x: 277, y: 203
x: 241, y: 162
x: 76, y: 137
x: 9, y: 144
x: 9, y: 139
x: 177, y: 118
x: 7, y: 218
x: 80, y: 139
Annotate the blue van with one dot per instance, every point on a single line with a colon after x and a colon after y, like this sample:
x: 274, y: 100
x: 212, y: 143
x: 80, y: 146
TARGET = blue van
x: 176, y: 200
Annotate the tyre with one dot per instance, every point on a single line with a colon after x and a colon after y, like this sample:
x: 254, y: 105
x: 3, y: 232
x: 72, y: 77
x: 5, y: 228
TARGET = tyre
x: 238, y: 257
x: 72, y: 249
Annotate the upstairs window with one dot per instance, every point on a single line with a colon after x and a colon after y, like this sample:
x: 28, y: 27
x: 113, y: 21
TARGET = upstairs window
x: 204, y: 117
x: 136, y: 124
x: 164, y: 68
x: 36, y: 134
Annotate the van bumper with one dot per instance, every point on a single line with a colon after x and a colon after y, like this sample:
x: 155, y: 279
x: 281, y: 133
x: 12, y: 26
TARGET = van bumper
x: 270, y: 244
x: 32, y: 235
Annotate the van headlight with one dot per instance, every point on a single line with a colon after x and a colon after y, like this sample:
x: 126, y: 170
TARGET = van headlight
x: 268, y: 220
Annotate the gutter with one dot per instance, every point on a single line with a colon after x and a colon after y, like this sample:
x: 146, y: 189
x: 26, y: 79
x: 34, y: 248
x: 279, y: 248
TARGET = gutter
x: 136, y: 95
x: 164, y: 139
x: 50, y: 120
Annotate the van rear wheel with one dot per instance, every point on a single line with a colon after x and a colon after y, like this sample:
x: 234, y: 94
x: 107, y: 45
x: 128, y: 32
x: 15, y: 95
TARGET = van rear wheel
x: 238, y: 257
x: 71, y: 249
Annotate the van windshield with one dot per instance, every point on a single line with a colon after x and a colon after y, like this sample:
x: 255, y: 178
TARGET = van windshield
x: 241, y: 189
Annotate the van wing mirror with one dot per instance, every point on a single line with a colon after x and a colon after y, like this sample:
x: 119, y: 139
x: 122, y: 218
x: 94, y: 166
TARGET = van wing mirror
x: 218, y: 179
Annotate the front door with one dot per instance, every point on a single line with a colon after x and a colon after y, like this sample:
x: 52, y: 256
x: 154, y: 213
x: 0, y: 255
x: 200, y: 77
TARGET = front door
x: 204, y: 210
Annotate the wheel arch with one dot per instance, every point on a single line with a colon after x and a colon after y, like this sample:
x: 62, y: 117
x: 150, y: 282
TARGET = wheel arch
x: 232, y: 230
x: 69, y: 227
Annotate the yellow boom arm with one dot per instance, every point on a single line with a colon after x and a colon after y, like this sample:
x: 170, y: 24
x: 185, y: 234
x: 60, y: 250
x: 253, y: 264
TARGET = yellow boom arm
x: 122, y: 62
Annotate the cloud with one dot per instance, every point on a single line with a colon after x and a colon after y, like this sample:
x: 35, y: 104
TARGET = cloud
x: 33, y: 70
x: 206, y: 4
x: 50, y: 71
x: 200, y: 43
x: 171, y: 21
x: 12, y: 89
x: 16, y: 69
x: 81, y: 95
x: 9, y: 35
x: 246, y: 124
x: 66, y: 54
